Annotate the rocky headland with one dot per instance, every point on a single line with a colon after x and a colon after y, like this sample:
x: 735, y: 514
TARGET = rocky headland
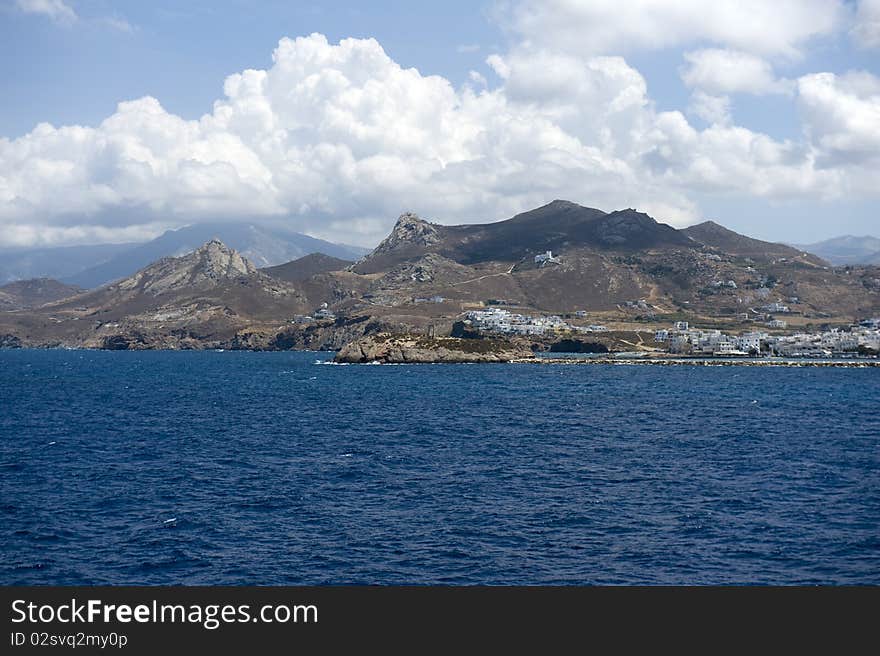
x: 397, y: 349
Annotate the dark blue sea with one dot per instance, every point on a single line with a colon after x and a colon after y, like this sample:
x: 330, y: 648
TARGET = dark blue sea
x: 268, y: 468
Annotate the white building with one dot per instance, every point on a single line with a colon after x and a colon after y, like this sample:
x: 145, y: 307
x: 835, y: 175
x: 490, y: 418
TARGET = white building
x: 504, y: 321
x: 750, y: 342
x: 726, y: 346
x: 546, y: 258
x: 870, y: 339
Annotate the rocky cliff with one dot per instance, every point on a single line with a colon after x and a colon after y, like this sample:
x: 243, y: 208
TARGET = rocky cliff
x: 387, y: 348
x: 411, y: 237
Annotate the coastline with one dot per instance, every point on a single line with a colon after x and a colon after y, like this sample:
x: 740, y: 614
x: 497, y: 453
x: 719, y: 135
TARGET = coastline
x: 708, y: 362
x: 574, y: 359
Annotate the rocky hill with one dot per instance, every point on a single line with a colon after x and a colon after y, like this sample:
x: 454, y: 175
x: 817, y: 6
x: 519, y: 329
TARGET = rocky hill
x: 199, y: 299
x: 419, y: 349
x: 623, y: 268
x: 605, y: 262
x: 560, y: 225
x: 25, y: 294
x: 265, y: 246
x: 306, y: 267
x: 721, y: 239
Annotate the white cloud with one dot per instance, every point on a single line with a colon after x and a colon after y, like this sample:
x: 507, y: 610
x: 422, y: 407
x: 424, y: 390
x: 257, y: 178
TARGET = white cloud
x: 842, y: 115
x: 63, y: 14
x: 478, y: 78
x: 497, y: 64
x: 867, y: 26
x: 57, y: 10
x: 36, y: 235
x: 719, y: 71
x: 712, y: 109
x: 338, y: 139
x: 589, y: 27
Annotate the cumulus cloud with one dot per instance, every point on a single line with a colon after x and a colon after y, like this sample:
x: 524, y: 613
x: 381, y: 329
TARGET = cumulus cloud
x: 478, y: 78
x: 337, y: 139
x: 842, y: 115
x: 712, y: 109
x: 720, y: 71
x: 593, y: 27
x: 56, y: 10
x: 867, y: 25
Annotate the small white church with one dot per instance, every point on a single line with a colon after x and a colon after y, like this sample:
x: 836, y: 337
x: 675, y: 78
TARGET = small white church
x: 546, y: 258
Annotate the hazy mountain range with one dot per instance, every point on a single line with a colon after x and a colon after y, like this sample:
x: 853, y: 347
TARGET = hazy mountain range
x: 92, y: 266
x: 847, y: 250
x: 58, y: 263
x: 26, y: 294
x: 623, y: 267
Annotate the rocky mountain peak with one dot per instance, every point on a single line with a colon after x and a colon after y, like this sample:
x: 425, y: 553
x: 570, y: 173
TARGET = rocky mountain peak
x: 560, y: 204
x: 410, y: 230
x: 710, y: 227
x: 634, y: 229
x: 217, y: 260
x: 212, y: 263
x: 410, y: 237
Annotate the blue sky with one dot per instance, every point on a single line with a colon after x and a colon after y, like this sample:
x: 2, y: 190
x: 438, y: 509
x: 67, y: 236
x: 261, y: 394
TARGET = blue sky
x: 762, y: 116
x: 180, y: 52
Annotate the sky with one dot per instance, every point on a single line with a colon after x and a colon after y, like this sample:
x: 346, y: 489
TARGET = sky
x: 121, y: 119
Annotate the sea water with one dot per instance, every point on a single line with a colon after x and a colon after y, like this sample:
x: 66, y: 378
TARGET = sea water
x: 277, y: 468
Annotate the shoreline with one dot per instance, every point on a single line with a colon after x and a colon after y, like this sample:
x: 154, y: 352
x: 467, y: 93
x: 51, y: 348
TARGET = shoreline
x: 848, y: 363
x: 708, y: 362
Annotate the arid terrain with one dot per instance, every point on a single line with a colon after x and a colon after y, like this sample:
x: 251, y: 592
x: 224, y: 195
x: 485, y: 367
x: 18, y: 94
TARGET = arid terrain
x: 621, y: 269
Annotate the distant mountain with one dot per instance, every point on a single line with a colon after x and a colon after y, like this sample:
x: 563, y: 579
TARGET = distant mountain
x: 25, y: 294
x: 848, y: 250
x: 621, y: 267
x: 58, y: 263
x: 716, y: 236
x: 306, y: 267
x: 176, y: 302
x: 261, y: 245
x: 556, y: 226
x: 211, y: 273
x: 603, y: 262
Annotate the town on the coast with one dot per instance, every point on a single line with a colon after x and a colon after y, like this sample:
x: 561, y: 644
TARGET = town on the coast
x: 684, y: 339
